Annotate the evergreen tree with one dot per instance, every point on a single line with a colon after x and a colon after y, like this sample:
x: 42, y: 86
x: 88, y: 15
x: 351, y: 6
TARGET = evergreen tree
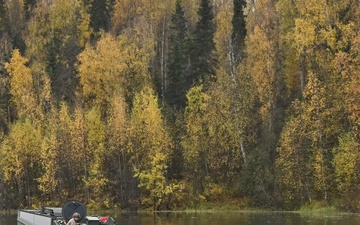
x: 263, y: 66
x: 238, y: 28
x: 203, y: 58
x: 100, y: 14
x: 4, y: 23
x: 16, y: 18
x: 54, y: 36
x: 178, y: 55
x: 5, y: 53
x: 29, y: 5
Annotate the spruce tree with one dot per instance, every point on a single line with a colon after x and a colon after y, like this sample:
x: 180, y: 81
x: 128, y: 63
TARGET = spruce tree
x: 4, y: 30
x: 5, y: 52
x: 175, y: 93
x: 4, y: 21
x: 203, y: 58
x: 29, y: 5
x: 238, y: 29
x: 100, y: 14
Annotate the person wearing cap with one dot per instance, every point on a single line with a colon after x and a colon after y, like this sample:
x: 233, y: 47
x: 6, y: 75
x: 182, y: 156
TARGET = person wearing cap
x: 75, y: 219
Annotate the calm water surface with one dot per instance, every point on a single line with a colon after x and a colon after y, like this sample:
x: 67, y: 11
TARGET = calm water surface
x: 223, y: 218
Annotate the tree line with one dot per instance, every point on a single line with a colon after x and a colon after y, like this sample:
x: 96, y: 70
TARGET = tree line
x: 173, y: 104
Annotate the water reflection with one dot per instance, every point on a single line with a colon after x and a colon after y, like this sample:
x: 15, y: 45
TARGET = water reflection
x: 221, y: 218
x: 232, y: 218
x: 7, y: 218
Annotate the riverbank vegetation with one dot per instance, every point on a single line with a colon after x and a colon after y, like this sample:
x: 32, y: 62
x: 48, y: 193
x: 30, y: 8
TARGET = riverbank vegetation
x: 161, y: 105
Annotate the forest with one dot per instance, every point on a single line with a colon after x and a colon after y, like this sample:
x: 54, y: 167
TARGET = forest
x: 175, y: 104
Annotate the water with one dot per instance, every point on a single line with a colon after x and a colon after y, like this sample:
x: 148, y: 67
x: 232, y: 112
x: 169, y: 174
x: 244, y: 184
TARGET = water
x: 223, y: 218
x: 7, y: 219
x: 237, y: 218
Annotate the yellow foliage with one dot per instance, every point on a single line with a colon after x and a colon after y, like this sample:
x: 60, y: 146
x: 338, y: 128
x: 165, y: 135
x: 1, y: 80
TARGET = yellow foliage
x: 147, y: 131
x: 21, y: 84
x: 222, y: 38
x: 347, y: 162
x: 304, y: 35
x: 100, y: 69
x: 261, y: 55
x: 19, y: 161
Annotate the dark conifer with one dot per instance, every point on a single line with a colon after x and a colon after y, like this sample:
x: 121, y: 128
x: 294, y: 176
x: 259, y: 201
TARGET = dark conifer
x: 4, y: 21
x: 238, y: 28
x: 29, y: 5
x: 178, y: 56
x: 203, y: 58
x: 100, y: 14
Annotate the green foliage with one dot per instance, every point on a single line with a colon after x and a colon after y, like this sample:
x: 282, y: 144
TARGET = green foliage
x: 54, y: 36
x: 203, y: 59
x: 16, y: 12
x: 100, y: 14
x: 238, y: 23
x: 178, y: 81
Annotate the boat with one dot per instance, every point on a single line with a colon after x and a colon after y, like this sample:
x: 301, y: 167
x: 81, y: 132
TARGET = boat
x: 60, y: 215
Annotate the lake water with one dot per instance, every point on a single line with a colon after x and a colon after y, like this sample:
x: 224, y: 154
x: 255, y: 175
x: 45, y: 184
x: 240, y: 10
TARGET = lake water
x: 224, y: 218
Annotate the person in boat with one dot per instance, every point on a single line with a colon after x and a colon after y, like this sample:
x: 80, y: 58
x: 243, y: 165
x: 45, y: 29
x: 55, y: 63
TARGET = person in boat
x: 75, y: 219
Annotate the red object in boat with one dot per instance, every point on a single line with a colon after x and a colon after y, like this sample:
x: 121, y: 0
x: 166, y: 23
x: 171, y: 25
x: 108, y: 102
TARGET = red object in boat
x: 103, y: 219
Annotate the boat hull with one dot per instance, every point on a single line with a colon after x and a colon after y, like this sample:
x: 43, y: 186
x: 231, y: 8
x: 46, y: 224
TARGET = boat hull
x: 32, y: 218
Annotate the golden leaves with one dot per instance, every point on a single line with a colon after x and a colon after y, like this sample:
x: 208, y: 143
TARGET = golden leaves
x: 304, y: 34
x: 147, y: 131
x: 21, y: 84
x: 100, y: 69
